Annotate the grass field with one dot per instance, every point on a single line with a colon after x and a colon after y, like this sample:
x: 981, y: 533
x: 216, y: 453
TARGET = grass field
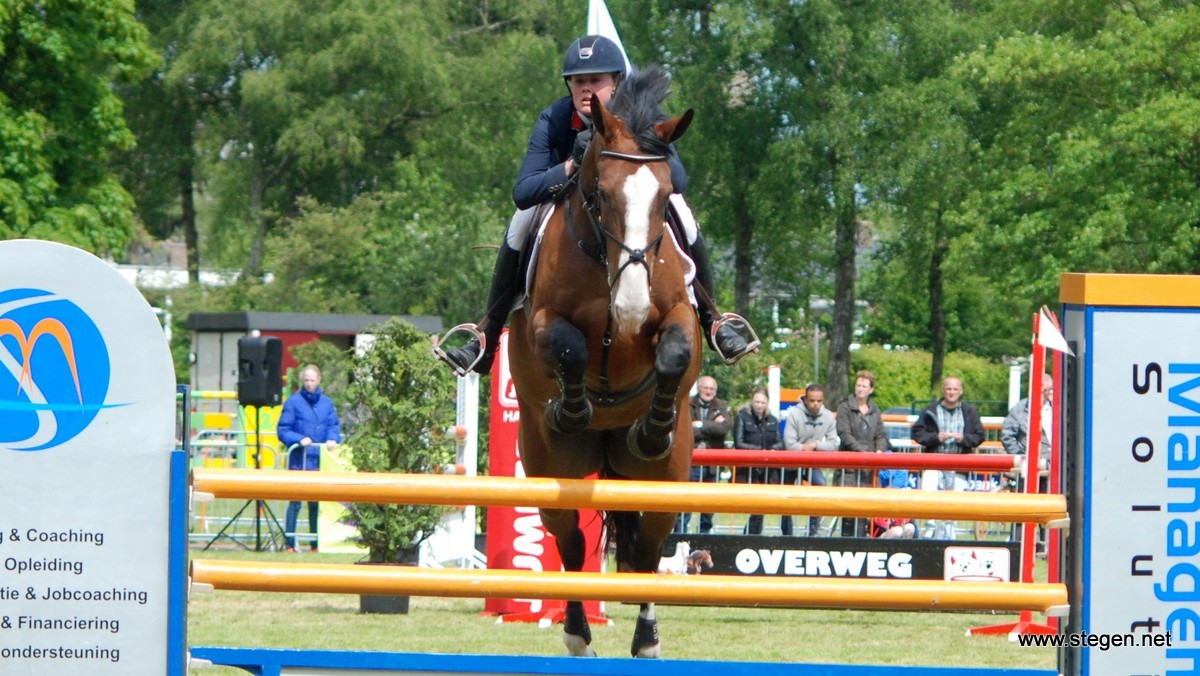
x: 442, y: 625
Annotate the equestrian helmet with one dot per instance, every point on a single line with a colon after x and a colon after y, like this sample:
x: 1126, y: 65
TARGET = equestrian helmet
x: 593, y: 54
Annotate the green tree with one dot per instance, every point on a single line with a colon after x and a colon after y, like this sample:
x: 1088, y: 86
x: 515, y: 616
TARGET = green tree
x: 164, y: 114
x: 311, y: 100
x: 921, y: 294
x: 1089, y: 133
x: 60, y: 121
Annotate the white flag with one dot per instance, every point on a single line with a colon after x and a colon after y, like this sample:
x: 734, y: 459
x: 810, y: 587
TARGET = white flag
x: 1049, y: 335
x: 600, y: 23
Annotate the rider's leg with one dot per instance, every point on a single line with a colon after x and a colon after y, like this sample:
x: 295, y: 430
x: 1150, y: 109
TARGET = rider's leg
x: 728, y: 342
x: 506, y: 285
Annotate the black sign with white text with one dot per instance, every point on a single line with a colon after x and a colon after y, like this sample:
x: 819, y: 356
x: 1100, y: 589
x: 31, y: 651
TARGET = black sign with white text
x: 868, y: 558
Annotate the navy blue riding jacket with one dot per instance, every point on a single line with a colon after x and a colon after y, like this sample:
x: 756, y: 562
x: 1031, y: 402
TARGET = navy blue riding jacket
x: 542, y: 172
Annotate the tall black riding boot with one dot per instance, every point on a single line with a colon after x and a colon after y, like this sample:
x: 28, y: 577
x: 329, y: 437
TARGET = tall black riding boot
x: 728, y: 343
x: 506, y: 284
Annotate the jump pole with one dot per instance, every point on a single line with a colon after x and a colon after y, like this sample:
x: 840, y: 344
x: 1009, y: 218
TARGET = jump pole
x: 657, y: 496
x: 919, y: 595
x: 991, y: 462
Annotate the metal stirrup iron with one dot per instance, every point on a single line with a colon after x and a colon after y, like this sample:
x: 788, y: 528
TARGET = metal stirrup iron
x: 471, y: 329
x: 740, y: 326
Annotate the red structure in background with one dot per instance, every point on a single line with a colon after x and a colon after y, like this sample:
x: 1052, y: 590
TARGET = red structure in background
x: 1046, y: 334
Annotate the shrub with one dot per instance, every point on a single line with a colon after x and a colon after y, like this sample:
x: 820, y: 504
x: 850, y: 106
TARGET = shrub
x: 403, y: 401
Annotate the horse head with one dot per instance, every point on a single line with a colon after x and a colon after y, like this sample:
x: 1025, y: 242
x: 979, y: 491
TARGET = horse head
x: 625, y: 180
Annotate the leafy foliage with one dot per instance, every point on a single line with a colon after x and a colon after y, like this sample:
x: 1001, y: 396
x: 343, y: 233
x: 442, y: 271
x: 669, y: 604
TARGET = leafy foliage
x: 61, y: 122
x: 360, y: 154
x: 402, y: 398
x: 902, y: 377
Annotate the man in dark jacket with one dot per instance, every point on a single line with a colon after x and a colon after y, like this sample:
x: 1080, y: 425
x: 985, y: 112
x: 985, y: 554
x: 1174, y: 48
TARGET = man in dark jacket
x: 711, y: 421
x: 949, y: 425
x: 309, y: 421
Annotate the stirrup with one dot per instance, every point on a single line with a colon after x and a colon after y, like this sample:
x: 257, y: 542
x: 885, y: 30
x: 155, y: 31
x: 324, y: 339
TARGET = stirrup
x: 740, y: 326
x: 472, y: 330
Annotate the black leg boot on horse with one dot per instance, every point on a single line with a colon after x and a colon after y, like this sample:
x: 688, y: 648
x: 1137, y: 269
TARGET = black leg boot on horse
x: 729, y: 335
x: 477, y: 355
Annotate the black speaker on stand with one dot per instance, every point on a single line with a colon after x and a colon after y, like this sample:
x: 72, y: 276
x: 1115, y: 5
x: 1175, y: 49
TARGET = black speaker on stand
x: 260, y: 383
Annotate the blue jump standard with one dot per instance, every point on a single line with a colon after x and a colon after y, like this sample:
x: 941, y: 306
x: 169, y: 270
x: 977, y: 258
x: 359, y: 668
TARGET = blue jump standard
x: 271, y: 662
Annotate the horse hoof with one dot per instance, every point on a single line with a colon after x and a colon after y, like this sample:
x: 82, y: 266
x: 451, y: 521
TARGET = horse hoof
x: 567, y: 423
x: 645, y: 639
x: 577, y: 646
x: 649, y: 449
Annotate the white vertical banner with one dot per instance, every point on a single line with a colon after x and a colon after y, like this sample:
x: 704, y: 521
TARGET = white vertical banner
x: 600, y: 22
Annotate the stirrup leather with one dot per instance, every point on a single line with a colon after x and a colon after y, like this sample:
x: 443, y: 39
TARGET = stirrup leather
x: 740, y: 326
x: 470, y: 329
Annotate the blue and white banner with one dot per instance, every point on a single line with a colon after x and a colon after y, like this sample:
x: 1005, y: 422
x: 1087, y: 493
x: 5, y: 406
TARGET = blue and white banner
x: 87, y: 426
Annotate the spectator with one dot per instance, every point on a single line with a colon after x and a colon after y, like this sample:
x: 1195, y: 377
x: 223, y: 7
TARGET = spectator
x: 809, y: 426
x: 889, y: 527
x: 711, y: 421
x: 948, y: 425
x: 755, y: 428
x: 308, y: 422
x: 886, y: 527
x: 860, y: 428
x: 1015, y: 432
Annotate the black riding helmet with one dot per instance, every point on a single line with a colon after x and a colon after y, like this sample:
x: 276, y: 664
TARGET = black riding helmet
x: 593, y: 54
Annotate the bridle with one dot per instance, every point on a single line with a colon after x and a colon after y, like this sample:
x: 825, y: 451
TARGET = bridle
x: 591, y: 207
x: 599, y: 253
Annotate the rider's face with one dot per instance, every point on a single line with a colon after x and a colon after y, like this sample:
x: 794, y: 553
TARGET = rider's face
x: 583, y: 86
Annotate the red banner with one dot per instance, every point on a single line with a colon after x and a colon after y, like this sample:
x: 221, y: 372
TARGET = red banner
x: 516, y: 539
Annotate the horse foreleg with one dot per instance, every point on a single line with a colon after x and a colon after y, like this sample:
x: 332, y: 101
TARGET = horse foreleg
x: 652, y: 437
x: 564, y: 525
x: 570, y: 412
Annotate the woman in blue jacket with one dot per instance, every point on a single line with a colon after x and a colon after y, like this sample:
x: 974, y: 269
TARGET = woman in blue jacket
x: 308, y: 422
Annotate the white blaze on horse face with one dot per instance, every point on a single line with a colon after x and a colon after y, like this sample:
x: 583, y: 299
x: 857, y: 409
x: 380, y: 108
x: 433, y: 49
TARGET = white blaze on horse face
x: 631, y: 303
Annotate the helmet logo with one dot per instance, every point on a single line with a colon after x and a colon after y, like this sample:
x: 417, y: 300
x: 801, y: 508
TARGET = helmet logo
x: 585, y: 52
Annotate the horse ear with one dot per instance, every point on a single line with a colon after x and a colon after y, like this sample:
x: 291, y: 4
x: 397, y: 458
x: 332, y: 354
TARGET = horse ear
x: 601, y: 118
x: 671, y: 130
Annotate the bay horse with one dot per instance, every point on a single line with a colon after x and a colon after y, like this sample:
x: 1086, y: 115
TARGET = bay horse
x: 606, y: 346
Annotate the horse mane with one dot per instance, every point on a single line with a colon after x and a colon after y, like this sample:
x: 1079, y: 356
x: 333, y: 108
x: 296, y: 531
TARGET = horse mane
x: 638, y: 104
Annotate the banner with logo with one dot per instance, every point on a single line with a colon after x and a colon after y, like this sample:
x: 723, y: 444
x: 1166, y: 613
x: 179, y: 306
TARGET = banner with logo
x: 516, y: 539
x: 866, y: 558
x: 87, y: 429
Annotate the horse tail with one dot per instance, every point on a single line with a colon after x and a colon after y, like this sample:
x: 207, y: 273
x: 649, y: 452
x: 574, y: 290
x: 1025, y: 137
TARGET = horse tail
x: 621, y: 528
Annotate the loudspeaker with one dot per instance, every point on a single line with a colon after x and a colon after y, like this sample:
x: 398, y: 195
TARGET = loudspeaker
x: 260, y: 365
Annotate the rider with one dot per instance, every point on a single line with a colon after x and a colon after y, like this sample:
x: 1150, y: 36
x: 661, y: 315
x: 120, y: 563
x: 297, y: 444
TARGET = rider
x: 595, y: 65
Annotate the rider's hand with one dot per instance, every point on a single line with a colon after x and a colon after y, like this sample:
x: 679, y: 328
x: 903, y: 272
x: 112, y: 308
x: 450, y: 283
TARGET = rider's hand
x: 582, y: 139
